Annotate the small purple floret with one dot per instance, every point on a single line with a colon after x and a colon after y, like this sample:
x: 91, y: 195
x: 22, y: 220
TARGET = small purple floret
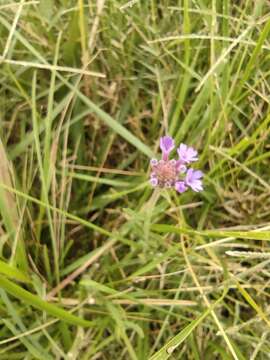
x: 166, y: 146
x: 180, y: 186
x: 181, y: 167
x: 193, y: 179
x: 187, y: 154
x: 154, y: 181
x: 153, y: 162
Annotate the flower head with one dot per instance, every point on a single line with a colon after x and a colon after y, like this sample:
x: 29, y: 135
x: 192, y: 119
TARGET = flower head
x: 187, y: 154
x: 165, y: 172
x: 168, y: 173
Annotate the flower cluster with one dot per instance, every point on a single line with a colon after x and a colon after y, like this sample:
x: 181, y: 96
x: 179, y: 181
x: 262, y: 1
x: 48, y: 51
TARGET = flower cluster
x: 175, y: 173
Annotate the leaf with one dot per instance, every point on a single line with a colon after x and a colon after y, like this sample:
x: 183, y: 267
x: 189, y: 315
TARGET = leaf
x: 89, y: 178
x: 252, y: 235
x: 97, y: 286
x: 46, y: 9
x: 40, y: 304
x: 166, y: 351
x: 13, y: 272
x: 9, y: 208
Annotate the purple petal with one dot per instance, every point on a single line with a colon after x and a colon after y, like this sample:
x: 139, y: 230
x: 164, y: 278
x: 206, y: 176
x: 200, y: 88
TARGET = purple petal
x: 180, y: 167
x: 197, y: 174
x: 180, y: 186
x: 153, y: 162
x: 182, y: 148
x: 166, y: 146
x: 192, y: 179
x: 166, y: 143
x: 196, y: 186
x: 187, y: 154
x: 192, y: 153
x: 189, y: 176
x: 154, y: 181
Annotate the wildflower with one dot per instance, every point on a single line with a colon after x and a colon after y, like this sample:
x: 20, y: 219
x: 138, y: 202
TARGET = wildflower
x: 180, y: 186
x: 166, y: 146
x: 168, y: 173
x: 187, y: 154
x: 193, y: 179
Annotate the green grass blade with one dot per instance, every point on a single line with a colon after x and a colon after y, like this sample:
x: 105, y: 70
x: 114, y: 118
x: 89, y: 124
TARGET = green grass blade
x: 251, y: 235
x: 13, y: 272
x: 40, y: 304
x: 166, y: 351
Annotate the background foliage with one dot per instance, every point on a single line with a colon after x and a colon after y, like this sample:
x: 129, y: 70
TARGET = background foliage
x: 94, y: 264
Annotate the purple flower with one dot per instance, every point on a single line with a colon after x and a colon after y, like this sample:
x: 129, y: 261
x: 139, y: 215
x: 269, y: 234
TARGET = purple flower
x: 166, y: 173
x: 154, y: 181
x: 193, y: 179
x: 180, y: 186
x: 153, y: 162
x: 166, y: 146
x: 187, y: 154
x: 181, y: 167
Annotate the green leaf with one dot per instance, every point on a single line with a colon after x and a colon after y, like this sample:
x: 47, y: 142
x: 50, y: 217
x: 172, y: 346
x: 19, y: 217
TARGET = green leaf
x: 252, y: 235
x: 166, y: 351
x: 13, y: 272
x: 40, y: 304
x: 46, y: 9
x: 100, y: 287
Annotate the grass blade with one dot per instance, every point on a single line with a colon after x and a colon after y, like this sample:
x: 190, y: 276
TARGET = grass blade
x: 40, y: 304
x: 251, y: 235
x: 13, y: 272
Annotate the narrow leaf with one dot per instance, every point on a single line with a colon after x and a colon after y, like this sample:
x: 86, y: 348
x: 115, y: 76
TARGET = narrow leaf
x: 40, y: 304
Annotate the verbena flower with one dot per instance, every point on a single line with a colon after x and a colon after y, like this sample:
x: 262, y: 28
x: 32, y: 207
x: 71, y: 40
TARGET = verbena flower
x: 187, y: 154
x: 166, y: 146
x: 168, y: 173
x: 193, y: 179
